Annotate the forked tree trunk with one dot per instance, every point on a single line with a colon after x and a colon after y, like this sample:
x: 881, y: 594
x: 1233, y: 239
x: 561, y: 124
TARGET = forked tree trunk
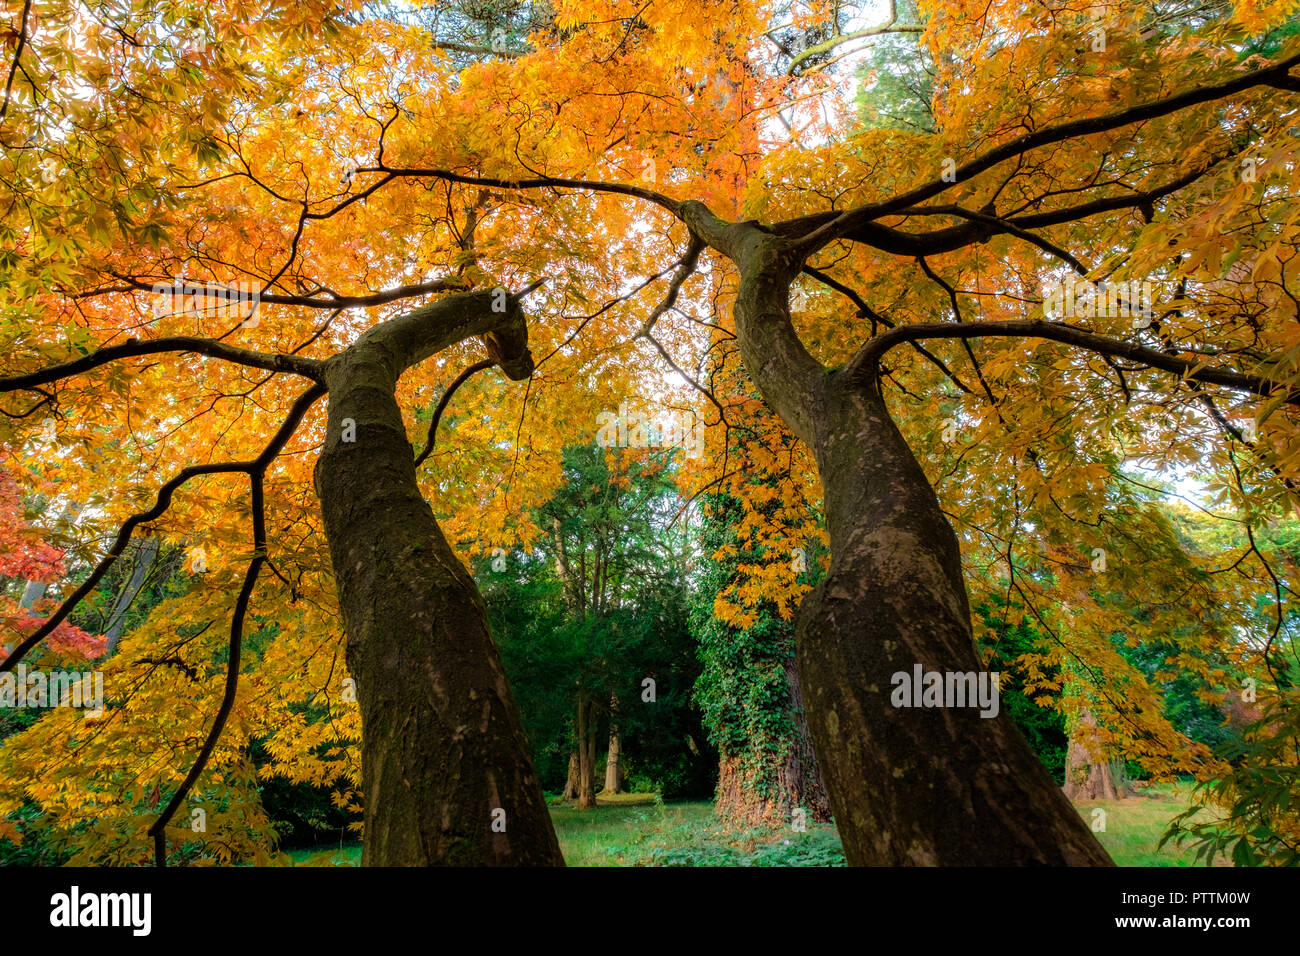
x: 938, y: 786
x: 446, y: 770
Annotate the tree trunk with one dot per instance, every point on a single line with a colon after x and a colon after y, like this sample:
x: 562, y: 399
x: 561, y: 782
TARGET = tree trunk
x: 803, y: 770
x: 613, y: 768
x: 144, y: 559
x: 571, y: 780
x: 586, y: 754
x: 747, y: 796
x: 446, y: 770
x: 1088, y: 774
x: 612, y: 782
x: 33, y: 591
x: 908, y: 785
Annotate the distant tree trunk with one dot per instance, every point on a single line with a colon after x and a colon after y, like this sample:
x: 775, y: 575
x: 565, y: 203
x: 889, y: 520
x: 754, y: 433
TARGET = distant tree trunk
x: 571, y: 780
x: 33, y: 591
x: 586, y: 755
x: 1088, y: 774
x: 144, y: 559
x: 612, y: 781
x: 613, y: 768
x: 803, y: 770
x: 446, y: 770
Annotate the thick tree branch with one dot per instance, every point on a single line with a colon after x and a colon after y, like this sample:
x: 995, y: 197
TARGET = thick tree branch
x: 868, y: 357
x: 471, y: 50
x: 535, y: 182
x: 984, y: 225
x: 686, y: 266
x: 845, y: 224
x: 326, y: 299
x: 160, y: 506
x: 1009, y: 227
x: 409, y: 339
x: 826, y: 46
x: 297, y: 364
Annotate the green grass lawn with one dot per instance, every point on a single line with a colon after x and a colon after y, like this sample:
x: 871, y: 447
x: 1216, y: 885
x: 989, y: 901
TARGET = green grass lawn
x: 1134, y: 826
x: 637, y: 830
x: 602, y: 837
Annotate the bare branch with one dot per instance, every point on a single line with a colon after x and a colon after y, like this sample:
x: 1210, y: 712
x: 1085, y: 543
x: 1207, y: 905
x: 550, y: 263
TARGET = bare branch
x: 159, y: 828
x: 686, y: 267
x: 256, y: 475
x: 877, y: 318
x: 18, y: 55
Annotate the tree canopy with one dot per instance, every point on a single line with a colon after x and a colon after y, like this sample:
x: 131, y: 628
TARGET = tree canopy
x: 1050, y: 246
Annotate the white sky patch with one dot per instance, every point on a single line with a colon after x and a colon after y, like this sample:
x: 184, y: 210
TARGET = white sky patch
x: 1185, y: 483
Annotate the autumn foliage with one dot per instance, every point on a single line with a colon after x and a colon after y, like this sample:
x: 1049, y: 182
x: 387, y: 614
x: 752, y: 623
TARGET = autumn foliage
x: 347, y: 167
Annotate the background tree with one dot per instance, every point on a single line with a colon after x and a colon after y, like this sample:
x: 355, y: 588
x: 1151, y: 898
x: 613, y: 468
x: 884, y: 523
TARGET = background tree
x: 599, y: 608
x: 764, y: 550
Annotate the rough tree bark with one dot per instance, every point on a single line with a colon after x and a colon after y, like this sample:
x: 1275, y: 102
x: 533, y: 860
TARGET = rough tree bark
x: 571, y: 779
x: 443, y: 748
x: 804, y: 768
x: 612, y: 782
x: 941, y: 786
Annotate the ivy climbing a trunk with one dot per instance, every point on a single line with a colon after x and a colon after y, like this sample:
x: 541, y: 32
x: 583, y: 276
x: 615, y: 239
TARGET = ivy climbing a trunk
x: 751, y: 698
